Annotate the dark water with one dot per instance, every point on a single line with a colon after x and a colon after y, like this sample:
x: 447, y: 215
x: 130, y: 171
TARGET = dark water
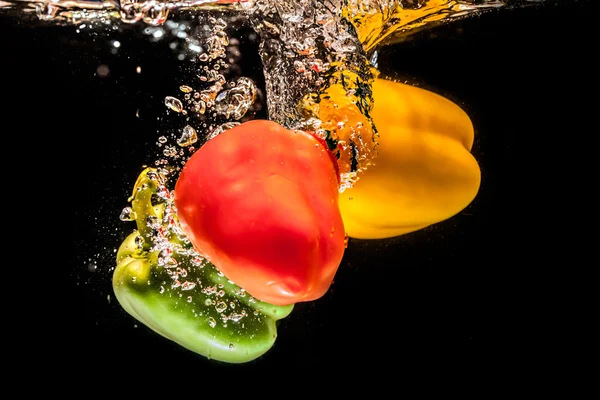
x: 452, y: 299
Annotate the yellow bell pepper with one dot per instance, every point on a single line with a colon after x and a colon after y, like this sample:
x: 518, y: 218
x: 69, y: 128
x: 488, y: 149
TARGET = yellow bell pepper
x: 423, y: 172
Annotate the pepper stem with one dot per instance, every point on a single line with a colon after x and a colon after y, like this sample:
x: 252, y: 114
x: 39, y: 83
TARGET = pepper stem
x: 141, y: 203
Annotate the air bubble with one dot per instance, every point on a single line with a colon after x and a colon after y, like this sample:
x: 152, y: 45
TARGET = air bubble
x: 200, y: 106
x: 187, y: 285
x: 188, y: 136
x: 221, y: 306
x: 236, y: 317
x: 127, y: 214
x: 174, y: 104
x: 170, y: 151
x: 198, y: 261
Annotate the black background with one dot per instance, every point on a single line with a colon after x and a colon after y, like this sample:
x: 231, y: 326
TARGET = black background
x: 455, y: 297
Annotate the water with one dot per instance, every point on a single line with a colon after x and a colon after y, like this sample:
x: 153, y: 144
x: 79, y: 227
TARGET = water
x: 305, y: 48
x: 366, y: 14
x: 443, y: 290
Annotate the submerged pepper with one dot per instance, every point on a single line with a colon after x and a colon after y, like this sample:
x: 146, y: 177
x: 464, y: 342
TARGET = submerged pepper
x: 423, y: 172
x: 165, y: 284
x: 261, y: 201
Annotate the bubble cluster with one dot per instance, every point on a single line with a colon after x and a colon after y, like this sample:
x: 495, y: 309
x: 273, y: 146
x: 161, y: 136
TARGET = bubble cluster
x: 214, y: 103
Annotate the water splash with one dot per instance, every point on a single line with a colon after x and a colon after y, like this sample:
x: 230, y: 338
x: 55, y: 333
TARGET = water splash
x: 151, y: 12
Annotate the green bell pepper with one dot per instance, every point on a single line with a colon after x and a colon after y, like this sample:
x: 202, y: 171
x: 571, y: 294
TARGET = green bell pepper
x: 165, y: 284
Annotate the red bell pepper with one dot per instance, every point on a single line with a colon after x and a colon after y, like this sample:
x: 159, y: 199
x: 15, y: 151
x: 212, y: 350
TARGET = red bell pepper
x: 261, y: 203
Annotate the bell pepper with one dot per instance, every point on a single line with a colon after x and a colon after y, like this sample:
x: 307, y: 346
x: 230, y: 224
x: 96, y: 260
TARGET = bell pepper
x: 423, y: 171
x: 261, y: 203
x: 162, y: 282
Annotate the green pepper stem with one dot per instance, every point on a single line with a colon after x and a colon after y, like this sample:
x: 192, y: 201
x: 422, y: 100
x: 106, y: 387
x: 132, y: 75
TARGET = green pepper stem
x: 141, y: 204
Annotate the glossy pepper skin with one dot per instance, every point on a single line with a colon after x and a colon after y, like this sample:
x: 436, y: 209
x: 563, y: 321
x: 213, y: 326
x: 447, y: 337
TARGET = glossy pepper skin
x: 261, y: 203
x: 181, y: 297
x: 423, y: 172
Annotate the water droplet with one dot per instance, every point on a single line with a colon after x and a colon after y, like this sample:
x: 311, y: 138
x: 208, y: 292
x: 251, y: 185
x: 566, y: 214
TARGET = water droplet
x: 231, y: 346
x: 189, y: 299
x: 198, y: 261
x: 187, y: 285
x: 235, y: 102
x: 127, y: 214
x: 174, y: 104
x: 199, y: 106
x: 211, y: 322
x: 209, y: 290
x: 161, y: 290
x: 236, y: 317
x: 170, y: 262
x: 170, y: 151
x: 221, y: 306
x: 185, y: 88
x: 188, y: 136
